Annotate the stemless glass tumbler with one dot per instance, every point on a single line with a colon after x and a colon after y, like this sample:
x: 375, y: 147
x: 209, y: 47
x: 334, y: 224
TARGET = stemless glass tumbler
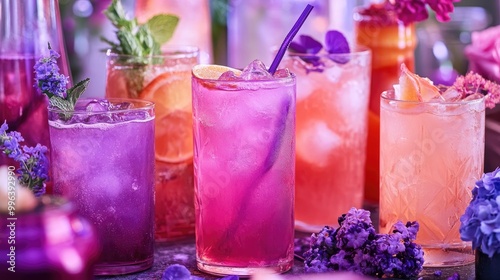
x: 244, y: 155
x: 431, y: 156
x: 165, y: 80
x: 103, y: 161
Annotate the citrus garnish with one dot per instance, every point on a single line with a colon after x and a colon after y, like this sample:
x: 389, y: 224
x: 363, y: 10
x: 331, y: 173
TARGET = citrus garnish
x: 415, y: 88
x: 211, y: 71
x: 171, y: 93
x: 174, y: 137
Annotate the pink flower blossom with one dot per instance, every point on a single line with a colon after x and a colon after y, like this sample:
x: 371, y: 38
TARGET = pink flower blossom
x: 484, y: 53
x: 442, y: 8
x: 409, y: 11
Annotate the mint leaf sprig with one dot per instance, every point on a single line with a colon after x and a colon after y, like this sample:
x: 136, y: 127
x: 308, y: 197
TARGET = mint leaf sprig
x: 54, y: 84
x: 136, y: 39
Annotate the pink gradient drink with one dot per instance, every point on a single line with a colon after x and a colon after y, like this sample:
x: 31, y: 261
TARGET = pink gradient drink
x: 103, y: 160
x: 244, y: 155
x: 431, y: 156
x: 332, y: 107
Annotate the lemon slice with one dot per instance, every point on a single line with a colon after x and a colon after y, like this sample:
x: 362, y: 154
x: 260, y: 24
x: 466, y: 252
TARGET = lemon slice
x: 212, y: 71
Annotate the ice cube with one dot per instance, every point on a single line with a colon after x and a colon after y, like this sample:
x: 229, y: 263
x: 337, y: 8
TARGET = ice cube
x: 256, y: 70
x: 451, y: 95
x: 282, y: 73
x: 122, y: 106
x: 98, y: 105
x: 229, y: 76
x: 473, y: 97
x: 316, y: 142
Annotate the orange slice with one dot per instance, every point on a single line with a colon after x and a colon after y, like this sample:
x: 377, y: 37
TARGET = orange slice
x: 415, y: 88
x: 174, y: 137
x: 212, y: 71
x: 171, y: 93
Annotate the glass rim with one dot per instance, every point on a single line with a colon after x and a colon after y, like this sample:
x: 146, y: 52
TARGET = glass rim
x: 384, y: 96
x: 147, y: 105
x: 265, y: 83
x: 172, y: 51
x: 359, y: 50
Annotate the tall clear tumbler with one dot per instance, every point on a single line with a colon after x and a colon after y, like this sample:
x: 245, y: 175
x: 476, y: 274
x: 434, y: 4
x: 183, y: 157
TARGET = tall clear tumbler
x: 431, y: 155
x: 103, y: 159
x: 244, y: 166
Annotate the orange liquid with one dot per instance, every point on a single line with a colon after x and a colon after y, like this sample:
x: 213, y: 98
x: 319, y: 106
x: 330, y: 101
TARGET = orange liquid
x: 331, y: 131
x: 392, y: 43
x: 168, y: 84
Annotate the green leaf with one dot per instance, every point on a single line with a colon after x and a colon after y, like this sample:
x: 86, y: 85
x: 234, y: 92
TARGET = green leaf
x: 76, y: 91
x: 61, y: 104
x: 162, y: 27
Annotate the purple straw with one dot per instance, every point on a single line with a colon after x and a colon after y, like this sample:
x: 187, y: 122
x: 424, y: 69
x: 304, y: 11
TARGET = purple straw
x: 289, y: 38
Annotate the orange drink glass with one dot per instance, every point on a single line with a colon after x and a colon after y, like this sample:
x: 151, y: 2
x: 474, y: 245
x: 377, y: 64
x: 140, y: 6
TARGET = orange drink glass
x: 392, y: 43
x: 332, y: 107
x: 166, y: 81
x: 431, y: 156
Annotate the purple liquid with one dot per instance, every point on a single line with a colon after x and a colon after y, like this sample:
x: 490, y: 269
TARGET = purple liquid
x: 107, y: 169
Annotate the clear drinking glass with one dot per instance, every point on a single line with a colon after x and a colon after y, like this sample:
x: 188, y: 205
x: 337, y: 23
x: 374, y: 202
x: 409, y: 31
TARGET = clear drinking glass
x: 165, y: 80
x: 332, y: 108
x: 431, y: 156
x: 26, y: 29
x: 244, y: 164
x: 103, y: 160
x: 392, y: 43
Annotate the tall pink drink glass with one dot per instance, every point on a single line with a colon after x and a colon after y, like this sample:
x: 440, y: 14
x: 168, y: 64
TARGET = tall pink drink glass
x: 244, y: 166
x: 431, y: 157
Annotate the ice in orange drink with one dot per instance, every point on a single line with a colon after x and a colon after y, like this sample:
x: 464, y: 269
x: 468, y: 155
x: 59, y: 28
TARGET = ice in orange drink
x: 166, y: 81
x: 332, y: 107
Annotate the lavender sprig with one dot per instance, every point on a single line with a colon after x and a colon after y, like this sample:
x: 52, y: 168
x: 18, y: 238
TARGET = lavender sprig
x: 355, y: 247
x: 54, y: 85
x: 33, y: 164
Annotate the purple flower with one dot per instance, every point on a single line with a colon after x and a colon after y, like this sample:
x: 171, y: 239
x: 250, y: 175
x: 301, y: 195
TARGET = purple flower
x: 308, y: 48
x: 455, y: 276
x: 47, y: 76
x: 33, y: 164
x: 355, y: 247
x: 481, y: 221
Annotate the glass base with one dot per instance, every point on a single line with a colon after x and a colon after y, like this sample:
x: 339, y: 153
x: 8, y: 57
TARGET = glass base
x: 122, y: 267
x: 221, y: 270
x: 450, y: 256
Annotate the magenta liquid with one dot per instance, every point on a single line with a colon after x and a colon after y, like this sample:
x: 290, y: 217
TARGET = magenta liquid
x: 104, y: 163
x: 244, y: 165
x: 24, y: 109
